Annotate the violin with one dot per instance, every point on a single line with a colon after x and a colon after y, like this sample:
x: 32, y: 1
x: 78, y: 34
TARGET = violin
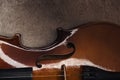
x: 87, y: 52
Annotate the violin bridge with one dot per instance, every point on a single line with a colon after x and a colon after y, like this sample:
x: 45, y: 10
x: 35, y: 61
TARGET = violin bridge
x: 63, y: 68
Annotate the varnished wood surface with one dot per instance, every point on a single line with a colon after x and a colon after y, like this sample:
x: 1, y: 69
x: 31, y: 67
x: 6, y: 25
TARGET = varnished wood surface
x: 96, y: 42
x: 37, y: 20
x: 17, y: 17
x: 57, y: 74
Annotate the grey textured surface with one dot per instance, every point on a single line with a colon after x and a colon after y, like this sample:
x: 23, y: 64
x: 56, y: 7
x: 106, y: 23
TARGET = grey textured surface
x: 37, y: 20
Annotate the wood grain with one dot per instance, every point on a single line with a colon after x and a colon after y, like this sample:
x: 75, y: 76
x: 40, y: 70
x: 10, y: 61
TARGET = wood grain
x: 37, y: 20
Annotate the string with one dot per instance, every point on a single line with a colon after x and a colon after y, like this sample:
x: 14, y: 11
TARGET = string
x: 41, y: 76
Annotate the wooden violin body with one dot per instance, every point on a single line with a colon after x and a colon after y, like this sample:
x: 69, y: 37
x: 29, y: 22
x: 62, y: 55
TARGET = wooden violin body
x: 94, y: 44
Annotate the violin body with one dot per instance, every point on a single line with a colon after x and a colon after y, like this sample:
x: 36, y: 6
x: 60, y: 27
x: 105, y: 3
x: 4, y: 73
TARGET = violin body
x: 93, y: 44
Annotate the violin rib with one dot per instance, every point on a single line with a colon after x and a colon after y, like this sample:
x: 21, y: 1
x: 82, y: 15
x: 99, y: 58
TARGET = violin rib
x: 94, y: 44
x: 16, y: 40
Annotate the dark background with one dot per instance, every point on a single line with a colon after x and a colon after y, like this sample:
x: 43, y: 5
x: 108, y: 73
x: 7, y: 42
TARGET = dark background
x: 37, y: 20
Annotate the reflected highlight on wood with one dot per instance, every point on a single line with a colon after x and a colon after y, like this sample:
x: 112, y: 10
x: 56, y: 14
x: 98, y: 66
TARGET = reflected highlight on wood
x: 96, y: 42
x: 58, y: 74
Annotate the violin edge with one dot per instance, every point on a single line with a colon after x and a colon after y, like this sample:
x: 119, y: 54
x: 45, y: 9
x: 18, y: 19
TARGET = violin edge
x: 62, y: 34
